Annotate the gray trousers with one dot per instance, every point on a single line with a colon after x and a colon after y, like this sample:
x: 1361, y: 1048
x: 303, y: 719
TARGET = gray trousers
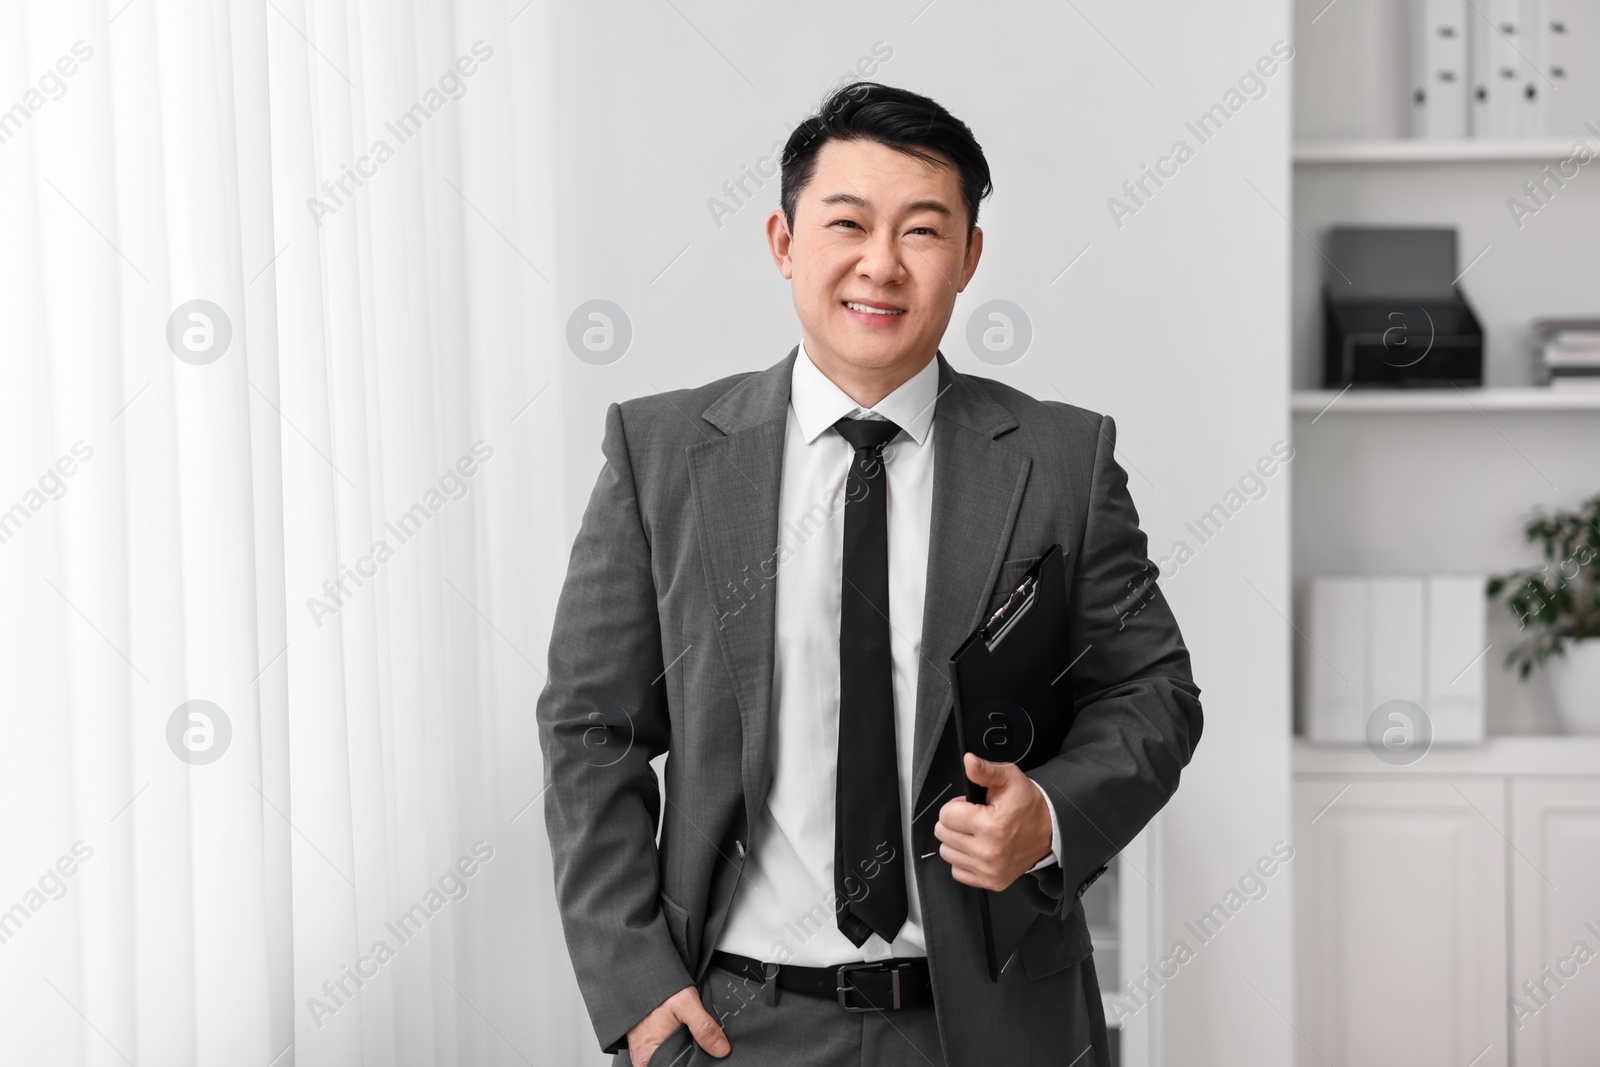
x: 801, y: 1031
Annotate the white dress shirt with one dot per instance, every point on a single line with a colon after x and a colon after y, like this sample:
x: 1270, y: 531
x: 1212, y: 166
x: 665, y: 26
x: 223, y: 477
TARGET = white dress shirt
x: 783, y: 908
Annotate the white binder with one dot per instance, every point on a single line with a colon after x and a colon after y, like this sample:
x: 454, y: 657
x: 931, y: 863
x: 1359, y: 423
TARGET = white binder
x: 1457, y: 662
x: 1439, y: 73
x: 1396, y: 630
x: 1535, y: 82
x: 1494, y: 38
x: 1570, y: 58
x: 1333, y: 670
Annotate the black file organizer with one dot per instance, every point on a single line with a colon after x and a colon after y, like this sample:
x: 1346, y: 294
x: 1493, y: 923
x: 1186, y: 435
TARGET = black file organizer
x: 1392, y: 315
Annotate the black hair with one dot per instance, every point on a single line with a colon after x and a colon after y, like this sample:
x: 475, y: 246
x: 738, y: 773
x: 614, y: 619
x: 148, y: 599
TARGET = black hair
x: 895, y: 118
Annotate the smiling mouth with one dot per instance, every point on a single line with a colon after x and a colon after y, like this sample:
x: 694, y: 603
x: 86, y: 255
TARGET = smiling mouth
x: 867, y: 309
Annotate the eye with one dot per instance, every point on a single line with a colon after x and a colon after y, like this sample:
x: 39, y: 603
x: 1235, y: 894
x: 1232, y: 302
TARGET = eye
x: 929, y: 230
x: 845, y: 222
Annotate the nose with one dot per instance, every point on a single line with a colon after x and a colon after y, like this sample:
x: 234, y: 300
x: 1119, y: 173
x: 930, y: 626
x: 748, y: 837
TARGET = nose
x: 883, y: 258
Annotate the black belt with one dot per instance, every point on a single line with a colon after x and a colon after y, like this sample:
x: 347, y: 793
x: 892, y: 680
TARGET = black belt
x: 878, y: 986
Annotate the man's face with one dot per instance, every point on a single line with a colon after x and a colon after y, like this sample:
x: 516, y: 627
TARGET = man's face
x: 880, y: 228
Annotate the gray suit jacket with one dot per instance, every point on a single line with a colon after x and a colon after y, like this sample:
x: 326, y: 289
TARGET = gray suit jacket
x: 663, y: 640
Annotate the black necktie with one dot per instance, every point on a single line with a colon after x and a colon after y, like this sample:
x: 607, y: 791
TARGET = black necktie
x: 868, y: 853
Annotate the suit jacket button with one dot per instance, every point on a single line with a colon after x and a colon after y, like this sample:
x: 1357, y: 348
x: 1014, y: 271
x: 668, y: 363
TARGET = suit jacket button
x: 739, y: 845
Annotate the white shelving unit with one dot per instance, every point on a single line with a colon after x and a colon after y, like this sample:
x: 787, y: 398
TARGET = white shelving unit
x: 1425, y: 893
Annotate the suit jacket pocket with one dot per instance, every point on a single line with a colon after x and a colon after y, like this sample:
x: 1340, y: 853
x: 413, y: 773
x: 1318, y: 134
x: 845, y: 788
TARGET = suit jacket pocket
x: 678, y: 927
x: 1055, y: 943
x: 1011, y: 572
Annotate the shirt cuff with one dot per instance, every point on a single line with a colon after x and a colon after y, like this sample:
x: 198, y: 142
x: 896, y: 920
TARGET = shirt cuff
x: 1055, y: 833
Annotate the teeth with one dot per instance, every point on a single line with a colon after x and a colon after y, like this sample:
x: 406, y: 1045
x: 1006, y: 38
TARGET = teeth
x: 872, y: 310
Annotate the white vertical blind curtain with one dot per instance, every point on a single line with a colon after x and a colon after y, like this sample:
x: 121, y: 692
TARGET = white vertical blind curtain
x: 345, y: 532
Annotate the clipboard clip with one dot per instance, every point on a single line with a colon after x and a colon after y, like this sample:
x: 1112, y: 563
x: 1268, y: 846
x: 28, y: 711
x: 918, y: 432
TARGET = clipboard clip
x: 1011, y: 612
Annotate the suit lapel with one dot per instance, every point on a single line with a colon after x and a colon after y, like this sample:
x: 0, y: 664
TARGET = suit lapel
x: 977, y: 489
x: 735, y: 480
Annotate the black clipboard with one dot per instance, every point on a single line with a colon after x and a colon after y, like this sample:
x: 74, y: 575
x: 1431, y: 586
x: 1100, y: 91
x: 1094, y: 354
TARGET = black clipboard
x: 1013, y: 704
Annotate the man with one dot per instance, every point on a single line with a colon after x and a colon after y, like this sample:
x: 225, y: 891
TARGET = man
x: 770, y: 578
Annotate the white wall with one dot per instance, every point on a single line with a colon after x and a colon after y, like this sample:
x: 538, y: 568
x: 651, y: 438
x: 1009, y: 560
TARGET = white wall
x: 1176, y: 323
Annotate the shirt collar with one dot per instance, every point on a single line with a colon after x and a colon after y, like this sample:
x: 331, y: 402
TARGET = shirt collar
x: 818, y: 403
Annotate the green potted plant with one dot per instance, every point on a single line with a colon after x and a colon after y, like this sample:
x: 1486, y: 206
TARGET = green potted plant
x: 1558, y: 606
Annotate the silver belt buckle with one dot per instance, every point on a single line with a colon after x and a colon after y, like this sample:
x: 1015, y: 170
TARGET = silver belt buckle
x: 881, y: 966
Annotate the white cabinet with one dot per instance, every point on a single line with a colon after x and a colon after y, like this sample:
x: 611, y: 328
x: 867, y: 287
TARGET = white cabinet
x: 1555, y: 904
x: 1400, y: 922
x: 1427, y: 895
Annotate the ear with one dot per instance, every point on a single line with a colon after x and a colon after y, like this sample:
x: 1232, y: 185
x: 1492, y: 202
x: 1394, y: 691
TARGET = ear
x: 780, y: 241
x: 969, y: 262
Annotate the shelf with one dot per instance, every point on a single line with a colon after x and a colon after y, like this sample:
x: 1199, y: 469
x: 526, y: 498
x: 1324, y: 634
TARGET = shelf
x: 1401, y: 151
x: 1549, y: 754
x: 1316, y: 402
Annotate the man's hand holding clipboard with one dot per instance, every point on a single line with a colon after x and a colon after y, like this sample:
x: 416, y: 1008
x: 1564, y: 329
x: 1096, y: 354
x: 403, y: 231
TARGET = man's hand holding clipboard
x: 1013, y: 708
x: 991, y: 842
